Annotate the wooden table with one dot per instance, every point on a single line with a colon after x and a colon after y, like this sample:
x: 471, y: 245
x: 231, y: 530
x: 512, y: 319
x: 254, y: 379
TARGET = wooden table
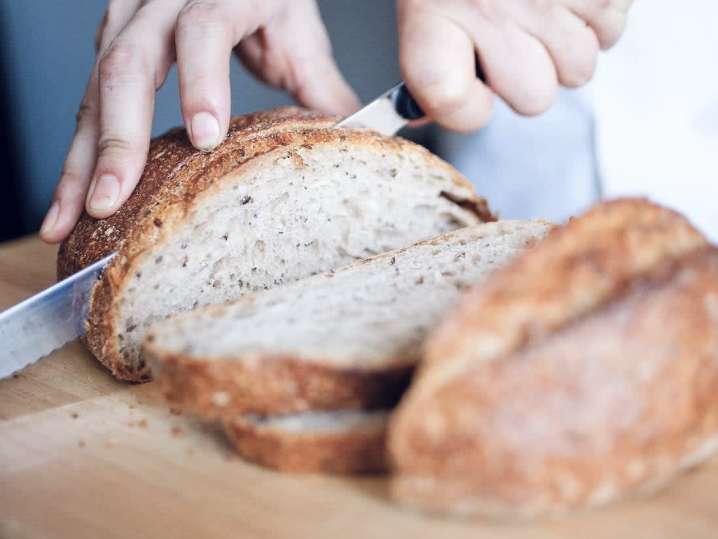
x: 82, y: 455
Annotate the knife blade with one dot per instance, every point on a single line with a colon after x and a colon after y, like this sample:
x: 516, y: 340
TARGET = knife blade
x: 44, y: 322
x: 388, y: 113
x: 393, y: 109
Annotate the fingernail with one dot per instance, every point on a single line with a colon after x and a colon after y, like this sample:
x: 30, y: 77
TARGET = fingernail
x: 105, y: 194
x: 205, y: 131
x: 50, y: 219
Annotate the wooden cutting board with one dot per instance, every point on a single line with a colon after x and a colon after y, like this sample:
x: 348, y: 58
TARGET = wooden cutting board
x: 82, y: 455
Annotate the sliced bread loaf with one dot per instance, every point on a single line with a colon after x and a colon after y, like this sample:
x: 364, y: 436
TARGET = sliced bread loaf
x: 342, y: 340
x: 584, y: 371
x: 341, y: 442
x: 284, y: 197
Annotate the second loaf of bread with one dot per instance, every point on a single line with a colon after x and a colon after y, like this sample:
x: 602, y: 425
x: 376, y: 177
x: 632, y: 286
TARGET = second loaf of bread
x: 585, y: 371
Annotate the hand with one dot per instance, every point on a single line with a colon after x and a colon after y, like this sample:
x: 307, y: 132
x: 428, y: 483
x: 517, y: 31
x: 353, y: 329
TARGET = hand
x: 526, y: 48
x: 283, y: 42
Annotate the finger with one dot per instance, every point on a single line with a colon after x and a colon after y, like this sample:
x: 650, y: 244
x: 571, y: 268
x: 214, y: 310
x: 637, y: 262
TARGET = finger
x: 517, y: 66
x: 448, y: 91
x: 205, y: 35
x: 572, y: 45
x: 300, y: 60
x: 131, y: 69
x: 117, y: 15
x: 606, y: 18
x: 71, y: 190
x: 69, y: 196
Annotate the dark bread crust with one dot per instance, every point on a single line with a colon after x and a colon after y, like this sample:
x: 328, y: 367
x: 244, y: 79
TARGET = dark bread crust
x: 359, y: 450
x: 594, y: 400
x: 175, y: 178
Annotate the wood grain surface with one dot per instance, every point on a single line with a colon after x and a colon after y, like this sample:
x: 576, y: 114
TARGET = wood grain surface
x: 82, y: 455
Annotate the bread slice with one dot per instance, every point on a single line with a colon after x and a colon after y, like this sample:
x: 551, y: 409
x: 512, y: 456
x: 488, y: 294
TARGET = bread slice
x: 338, y: 442
x: 284, y: 197
x: 584, y: 371
x: 342, y: 340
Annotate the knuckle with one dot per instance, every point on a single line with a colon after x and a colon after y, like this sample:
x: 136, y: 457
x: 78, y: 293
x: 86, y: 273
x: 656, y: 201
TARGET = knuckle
x: 72, y: 184
x: 542, y: 7
x: 85, y: 113
x: 538, y: 100
x: 600, y: 5
x: 113, y: 14
x: 579, y: 62
x: 68, y: 177
x: 469, y: 123
x: 198, y: 13
x: 443, y: 98
x: 120, y: 61
x: 113, y: 145
x: 489, y: 10
x: 609, y: 35
x: 579, y: 74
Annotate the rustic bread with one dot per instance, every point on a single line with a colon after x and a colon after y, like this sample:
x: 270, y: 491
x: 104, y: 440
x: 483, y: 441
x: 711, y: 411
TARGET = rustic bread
x: 584, y: 371
x: 284, y: 197
x: 339, y: 442
x: 343, y: 340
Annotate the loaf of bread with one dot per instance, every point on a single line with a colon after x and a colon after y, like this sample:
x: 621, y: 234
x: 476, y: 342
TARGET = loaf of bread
x: 584, y: 371
x: 284, y: 197
x: 348, y: 339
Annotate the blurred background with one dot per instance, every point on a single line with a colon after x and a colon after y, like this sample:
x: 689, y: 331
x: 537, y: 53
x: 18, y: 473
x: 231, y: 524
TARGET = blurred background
x: 647, y: 125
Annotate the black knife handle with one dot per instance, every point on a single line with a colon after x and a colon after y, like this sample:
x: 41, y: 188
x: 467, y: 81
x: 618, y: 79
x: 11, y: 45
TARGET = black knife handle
x: 407, y: 107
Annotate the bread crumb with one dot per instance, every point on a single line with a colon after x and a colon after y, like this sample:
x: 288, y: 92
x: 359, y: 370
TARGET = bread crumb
x: 177, y: 431
x: 220, y: 398
x: 175, y: 411
x: 81, y: 443
x: 143, y: 423
x: 74, y: 415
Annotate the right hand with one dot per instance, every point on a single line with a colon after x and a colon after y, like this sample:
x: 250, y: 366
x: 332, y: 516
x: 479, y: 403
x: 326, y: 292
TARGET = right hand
x: 282, y: 42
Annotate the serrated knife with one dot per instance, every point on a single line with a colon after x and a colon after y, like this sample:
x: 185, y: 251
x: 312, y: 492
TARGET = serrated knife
x: 43, y: 323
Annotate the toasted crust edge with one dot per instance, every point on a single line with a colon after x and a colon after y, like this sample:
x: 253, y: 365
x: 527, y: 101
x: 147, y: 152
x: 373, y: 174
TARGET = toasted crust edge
x: 358, y: 450
x: 273, y: 385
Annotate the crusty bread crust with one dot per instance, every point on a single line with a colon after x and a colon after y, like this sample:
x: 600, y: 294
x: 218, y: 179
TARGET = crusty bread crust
x: 175, y: 178
x: 357, y: 450
x: 575, y: 269
x: 579, y: 399
x: 272, y: 385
